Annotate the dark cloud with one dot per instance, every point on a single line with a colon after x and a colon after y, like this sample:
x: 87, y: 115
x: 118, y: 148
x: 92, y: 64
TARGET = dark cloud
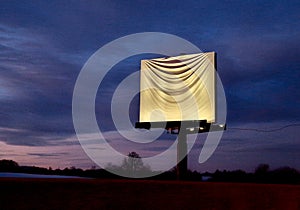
x: 46, y: 154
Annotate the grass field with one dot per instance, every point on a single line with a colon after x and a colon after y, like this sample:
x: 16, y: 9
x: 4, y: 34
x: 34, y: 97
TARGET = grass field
x: 17, y: 193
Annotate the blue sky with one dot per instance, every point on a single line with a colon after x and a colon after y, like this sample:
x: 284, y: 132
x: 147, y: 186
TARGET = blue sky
x: 43, y: 46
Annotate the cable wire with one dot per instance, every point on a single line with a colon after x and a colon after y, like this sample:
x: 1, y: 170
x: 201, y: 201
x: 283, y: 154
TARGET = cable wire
x: 265, y: 130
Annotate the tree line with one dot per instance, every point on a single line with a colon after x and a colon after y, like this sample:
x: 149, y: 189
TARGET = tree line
x: 134, y: 164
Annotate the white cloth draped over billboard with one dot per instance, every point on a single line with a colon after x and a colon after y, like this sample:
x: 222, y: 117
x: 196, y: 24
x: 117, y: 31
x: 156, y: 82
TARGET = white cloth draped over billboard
x: 178, y: 88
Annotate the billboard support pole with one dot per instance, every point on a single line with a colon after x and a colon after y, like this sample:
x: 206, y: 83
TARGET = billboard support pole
x: 182, y: 158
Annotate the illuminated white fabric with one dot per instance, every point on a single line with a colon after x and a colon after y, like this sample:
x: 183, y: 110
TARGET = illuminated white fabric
x: 178, y: 88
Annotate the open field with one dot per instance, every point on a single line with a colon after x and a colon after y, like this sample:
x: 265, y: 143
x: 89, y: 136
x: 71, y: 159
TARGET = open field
x: 17, y: 193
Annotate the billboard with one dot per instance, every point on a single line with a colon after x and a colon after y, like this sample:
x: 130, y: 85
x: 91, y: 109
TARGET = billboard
x: 179, y: 88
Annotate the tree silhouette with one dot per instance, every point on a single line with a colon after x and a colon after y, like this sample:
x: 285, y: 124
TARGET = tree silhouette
x: 8, y: 165
x: 262, y: 174
x: 262, y: 169
x: 133, y: 164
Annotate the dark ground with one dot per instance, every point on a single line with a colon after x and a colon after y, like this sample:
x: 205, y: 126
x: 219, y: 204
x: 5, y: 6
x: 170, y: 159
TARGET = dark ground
x: 21, y: 193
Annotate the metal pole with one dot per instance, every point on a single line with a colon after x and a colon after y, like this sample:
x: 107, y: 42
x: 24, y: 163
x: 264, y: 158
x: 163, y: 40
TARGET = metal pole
x: 182, y: 159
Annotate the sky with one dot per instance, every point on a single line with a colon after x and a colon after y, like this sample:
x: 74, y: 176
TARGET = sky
x: 44, y: 45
